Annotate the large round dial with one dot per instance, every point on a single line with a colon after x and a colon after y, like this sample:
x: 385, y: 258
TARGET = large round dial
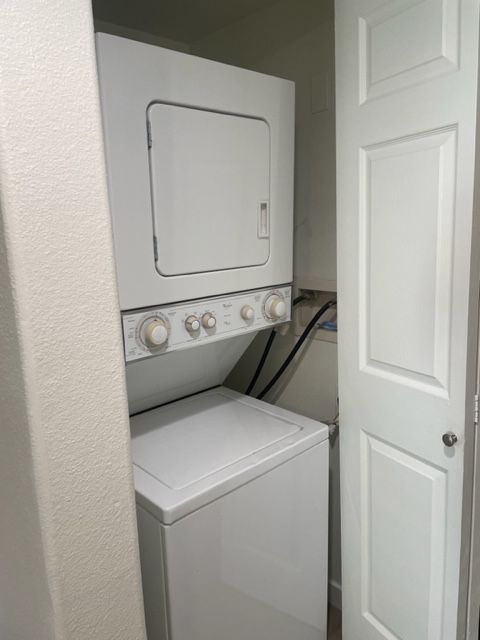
x: 155, y: 333
x: 275, y: 307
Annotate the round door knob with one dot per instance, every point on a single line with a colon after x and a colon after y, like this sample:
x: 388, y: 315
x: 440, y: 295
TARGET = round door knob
x: 156, y: 333
x: 449, y: 439
x: 208, y: 321
x: 192, y: 324
x: 275, y: 307
x: 247, y: 312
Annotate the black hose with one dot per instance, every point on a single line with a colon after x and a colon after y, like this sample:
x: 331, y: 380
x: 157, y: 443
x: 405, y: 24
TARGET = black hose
x: 297, y: 346
x: 266, y: 350
x: 259, y: 368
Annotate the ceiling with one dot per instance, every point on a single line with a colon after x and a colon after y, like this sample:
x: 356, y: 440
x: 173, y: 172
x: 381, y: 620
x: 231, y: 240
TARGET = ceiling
x: 183, y: 20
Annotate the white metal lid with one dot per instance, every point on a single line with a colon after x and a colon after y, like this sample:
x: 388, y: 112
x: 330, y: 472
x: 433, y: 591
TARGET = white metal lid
x: 193, y: 451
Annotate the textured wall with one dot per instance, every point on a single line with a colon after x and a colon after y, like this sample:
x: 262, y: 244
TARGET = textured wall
x: 68, y: 554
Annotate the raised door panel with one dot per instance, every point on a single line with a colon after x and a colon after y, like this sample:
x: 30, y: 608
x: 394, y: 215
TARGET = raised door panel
x: 406, y: 42
x: 403, y: 542
x: 407, y: 193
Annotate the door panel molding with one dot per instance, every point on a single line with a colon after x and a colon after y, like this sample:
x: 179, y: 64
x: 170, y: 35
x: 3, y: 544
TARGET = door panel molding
x: 406, y: 42
x: 406, y: 224
x: 391, y: 478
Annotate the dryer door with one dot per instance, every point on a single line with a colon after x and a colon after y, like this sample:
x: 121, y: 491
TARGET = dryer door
x: 210, y: 184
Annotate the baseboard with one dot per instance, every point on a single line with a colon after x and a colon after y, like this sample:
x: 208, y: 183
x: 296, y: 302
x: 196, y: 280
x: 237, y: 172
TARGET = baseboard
x: 335, y: 594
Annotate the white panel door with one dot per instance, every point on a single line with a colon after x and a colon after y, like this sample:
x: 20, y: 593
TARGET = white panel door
x: 406, y: 108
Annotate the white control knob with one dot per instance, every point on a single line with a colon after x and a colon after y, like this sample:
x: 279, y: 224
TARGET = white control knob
x: 156, y: 333
x: 247, y: 312
x: 275, y: 307
x: 208, y: 321
x: 192, y: 324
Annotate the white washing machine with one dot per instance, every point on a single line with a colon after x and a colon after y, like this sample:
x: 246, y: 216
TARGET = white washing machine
x: 232, y: 516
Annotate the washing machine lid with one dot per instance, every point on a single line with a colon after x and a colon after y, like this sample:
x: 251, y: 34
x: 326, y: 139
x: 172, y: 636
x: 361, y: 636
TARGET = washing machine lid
x: 191, y: 452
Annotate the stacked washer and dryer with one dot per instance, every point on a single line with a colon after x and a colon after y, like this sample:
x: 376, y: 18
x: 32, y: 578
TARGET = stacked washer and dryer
x: 231, y: 492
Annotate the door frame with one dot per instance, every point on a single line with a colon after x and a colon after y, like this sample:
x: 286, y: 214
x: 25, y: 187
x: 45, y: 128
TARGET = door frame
x: 471, y: 519
x: 472, y: 624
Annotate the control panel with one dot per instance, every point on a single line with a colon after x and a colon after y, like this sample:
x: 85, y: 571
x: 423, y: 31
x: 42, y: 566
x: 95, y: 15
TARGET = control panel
x: 159, y: 330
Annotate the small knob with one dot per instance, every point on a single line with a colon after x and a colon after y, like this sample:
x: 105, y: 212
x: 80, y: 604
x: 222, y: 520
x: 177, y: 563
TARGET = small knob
x: 156, y: 333
x: 208, y: 321
x: 449, y: 439
x: 247, y: 312
x: 192, y: 324
x: 275, y: 307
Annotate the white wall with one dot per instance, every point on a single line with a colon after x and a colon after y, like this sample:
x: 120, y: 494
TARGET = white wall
x: 295, y: 40
x: 68, y: 548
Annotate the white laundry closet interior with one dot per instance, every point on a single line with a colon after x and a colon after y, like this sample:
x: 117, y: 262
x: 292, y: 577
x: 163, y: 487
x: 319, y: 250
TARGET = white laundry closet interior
x: 405, y: 146
x: 287, y: 40
x: 291, y: 39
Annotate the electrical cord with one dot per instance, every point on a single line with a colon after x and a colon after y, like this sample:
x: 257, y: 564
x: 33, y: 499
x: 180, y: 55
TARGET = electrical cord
x: 297, y: 346
x: 266, y: 350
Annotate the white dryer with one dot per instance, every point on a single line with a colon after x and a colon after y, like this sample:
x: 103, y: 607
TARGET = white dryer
x: 232, y: 516
x: 200, y: 174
